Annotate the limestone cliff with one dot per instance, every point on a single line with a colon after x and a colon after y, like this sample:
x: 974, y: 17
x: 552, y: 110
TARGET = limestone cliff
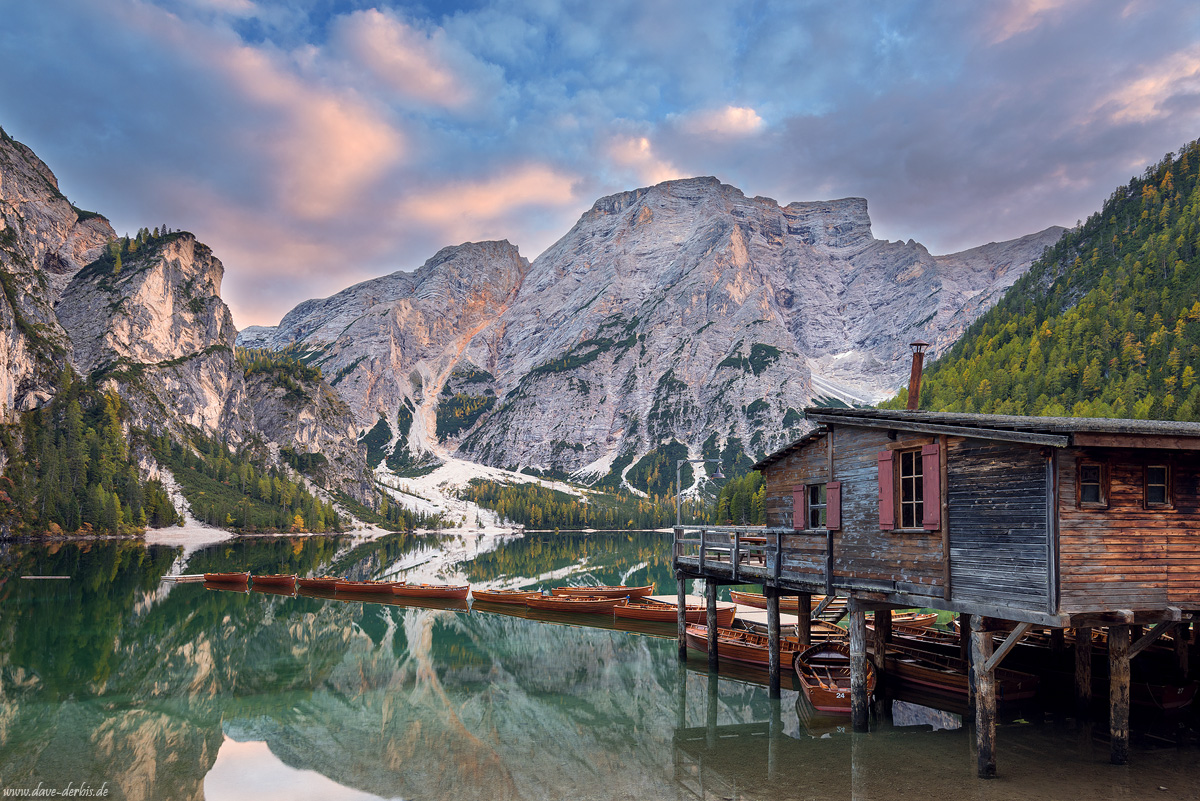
x: 684, y: 311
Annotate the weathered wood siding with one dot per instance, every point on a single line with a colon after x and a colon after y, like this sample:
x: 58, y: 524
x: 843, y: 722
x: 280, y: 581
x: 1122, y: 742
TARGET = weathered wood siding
x: 864, y: 557
x: 999, y: 549
x: 1126, y: 556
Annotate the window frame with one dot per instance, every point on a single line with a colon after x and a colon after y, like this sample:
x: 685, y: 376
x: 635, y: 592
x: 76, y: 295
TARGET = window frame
x: 1168, y: 495
x: 810, y: 507
x: 918, y: 500
x: 1103, y: 484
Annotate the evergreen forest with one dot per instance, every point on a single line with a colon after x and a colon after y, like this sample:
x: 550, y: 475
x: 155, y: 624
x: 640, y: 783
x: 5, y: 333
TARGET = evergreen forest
x: 1105, y: 324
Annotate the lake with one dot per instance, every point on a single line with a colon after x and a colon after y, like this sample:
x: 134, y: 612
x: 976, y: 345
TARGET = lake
x: 119, y: 682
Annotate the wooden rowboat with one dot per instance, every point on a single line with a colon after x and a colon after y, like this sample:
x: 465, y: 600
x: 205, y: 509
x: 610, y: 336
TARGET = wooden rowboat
x: 227, y: 578
x: 818, y: 630
x: 343, y: 585
x: 787, y: 603
x: 912, y: 620
x: 741, y: 646
x: 606, y: 591
x: 948, y: 674
x: 824, y: 672
x: 516, y: 597
x: 669, y: 613
x: 446, y: 591
x: 318, y: 583
x: 572, y: 603
x: 277, y: 580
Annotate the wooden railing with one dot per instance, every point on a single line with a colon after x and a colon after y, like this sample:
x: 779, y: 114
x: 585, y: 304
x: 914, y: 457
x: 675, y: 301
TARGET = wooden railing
x: 769, y: 552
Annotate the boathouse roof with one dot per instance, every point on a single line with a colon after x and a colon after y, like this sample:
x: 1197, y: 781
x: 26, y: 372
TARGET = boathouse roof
x: 1058, y: 432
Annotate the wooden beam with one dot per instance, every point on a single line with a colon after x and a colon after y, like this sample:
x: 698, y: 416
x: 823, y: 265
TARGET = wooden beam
x: 710, y: 592
x: 1083, y: 671
x: 821, y: 607
x: 1084, y: 439
x: 945, y: 517
x: 1011, y: 642
x: 1123, y: 617
x: 1150, y: 636
x: 859, y: 703
x: 1118, y: 694
x: 985, y: 699
x: 1053, y: 440
x: 804, y: 618
x: 881, y: 635
x: 772, y: 639
x: 681, y: 613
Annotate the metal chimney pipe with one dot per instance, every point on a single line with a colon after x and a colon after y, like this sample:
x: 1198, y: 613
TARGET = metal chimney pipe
x: 914, y: 378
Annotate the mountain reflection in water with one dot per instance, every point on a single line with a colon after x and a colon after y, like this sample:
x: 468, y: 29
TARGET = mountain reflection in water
x: 174, y: 691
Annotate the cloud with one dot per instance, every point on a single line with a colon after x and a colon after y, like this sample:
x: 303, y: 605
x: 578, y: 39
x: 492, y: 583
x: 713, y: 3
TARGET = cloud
x: 635, y: 154
x: 463, y: 204
x: 1011, y: 18
x: 729, y: 122
x: 402, y: 58
x: 1148, y: 96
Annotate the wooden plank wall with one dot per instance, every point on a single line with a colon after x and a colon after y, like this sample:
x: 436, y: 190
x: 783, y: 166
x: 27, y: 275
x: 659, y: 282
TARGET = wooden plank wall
x: 1127, y: 556
x: 999, y: 551
x: 867, y: 557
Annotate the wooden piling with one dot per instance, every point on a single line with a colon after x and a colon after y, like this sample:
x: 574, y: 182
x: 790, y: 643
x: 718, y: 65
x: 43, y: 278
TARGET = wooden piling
x: 1182, y: 640
x: 681, y: 614
x: 859, y: 709
x: 1083, y: 671
x: 964, y: 653
x: 881, y: 636
x: 804, y: 618
x: 1194, y: 656
x: 1057, y: 643
x: 710, y: 591
x: 1118, y: 693
x: 985, y: 698
x: 772, y: 639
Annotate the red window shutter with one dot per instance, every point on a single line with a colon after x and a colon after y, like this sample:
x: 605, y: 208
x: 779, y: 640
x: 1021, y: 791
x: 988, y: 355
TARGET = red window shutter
x: 887, y: 495
x: 931, y: 480
x: 833, y: 505
x: 798, y: 507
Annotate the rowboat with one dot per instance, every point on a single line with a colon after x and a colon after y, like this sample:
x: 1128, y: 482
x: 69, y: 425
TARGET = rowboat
x: 572, y: 603
x: 787, y: 603
x: 669, y: 613
x: 818, y: 629
x: 276, y: 580
x: 606, y: 591
x: 447, y: 591
x: 948, y: 674
x: 318, y: 583
x: 343, y: 585
x: 915, y: 620
x: 227, y: 578
x: 741, y: 646
x: 824, y: 673
x: 516, y: 597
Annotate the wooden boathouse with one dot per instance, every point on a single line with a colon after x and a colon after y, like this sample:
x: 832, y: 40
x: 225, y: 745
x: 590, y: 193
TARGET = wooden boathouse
x: 1012, y: 522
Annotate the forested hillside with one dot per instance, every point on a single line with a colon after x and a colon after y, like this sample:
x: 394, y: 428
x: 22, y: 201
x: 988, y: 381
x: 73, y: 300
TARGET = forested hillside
x: 1106, y: 324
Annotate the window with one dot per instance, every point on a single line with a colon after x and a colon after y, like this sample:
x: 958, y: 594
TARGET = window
x: 1157, y: 485
x: 816, y: 506
x: 912, y: 491
x: 1092, y: 489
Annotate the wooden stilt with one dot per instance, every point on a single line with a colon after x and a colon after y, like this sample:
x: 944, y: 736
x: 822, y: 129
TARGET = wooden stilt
x: 681, y: 614
x: 710, y: 719
x: 880, y: 639
x: 1118, y: 693
x: 710, y: 591
x: 772, y: 639
x: 1182, y: 640
x: 1083, y: 671
x: 964, y: 653
x: 1194, y: 656
x: 985, y: 698
x: 681, y: 698
x: 1057, y: 643
x: 859, y: 709
x: 804, y: 618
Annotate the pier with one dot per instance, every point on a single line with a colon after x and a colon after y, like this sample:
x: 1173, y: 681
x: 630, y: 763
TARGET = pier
x: 1081, y: 532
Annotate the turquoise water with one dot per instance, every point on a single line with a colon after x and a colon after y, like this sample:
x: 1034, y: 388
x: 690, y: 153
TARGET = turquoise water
x: 153, y: 690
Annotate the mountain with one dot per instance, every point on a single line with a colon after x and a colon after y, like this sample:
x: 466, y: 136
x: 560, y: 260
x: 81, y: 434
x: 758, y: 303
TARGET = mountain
x: 134, y: 332
x: 1106, y: 324
x: 683, y: 318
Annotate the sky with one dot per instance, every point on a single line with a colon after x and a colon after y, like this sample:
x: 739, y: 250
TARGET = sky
x: 316, y: 144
